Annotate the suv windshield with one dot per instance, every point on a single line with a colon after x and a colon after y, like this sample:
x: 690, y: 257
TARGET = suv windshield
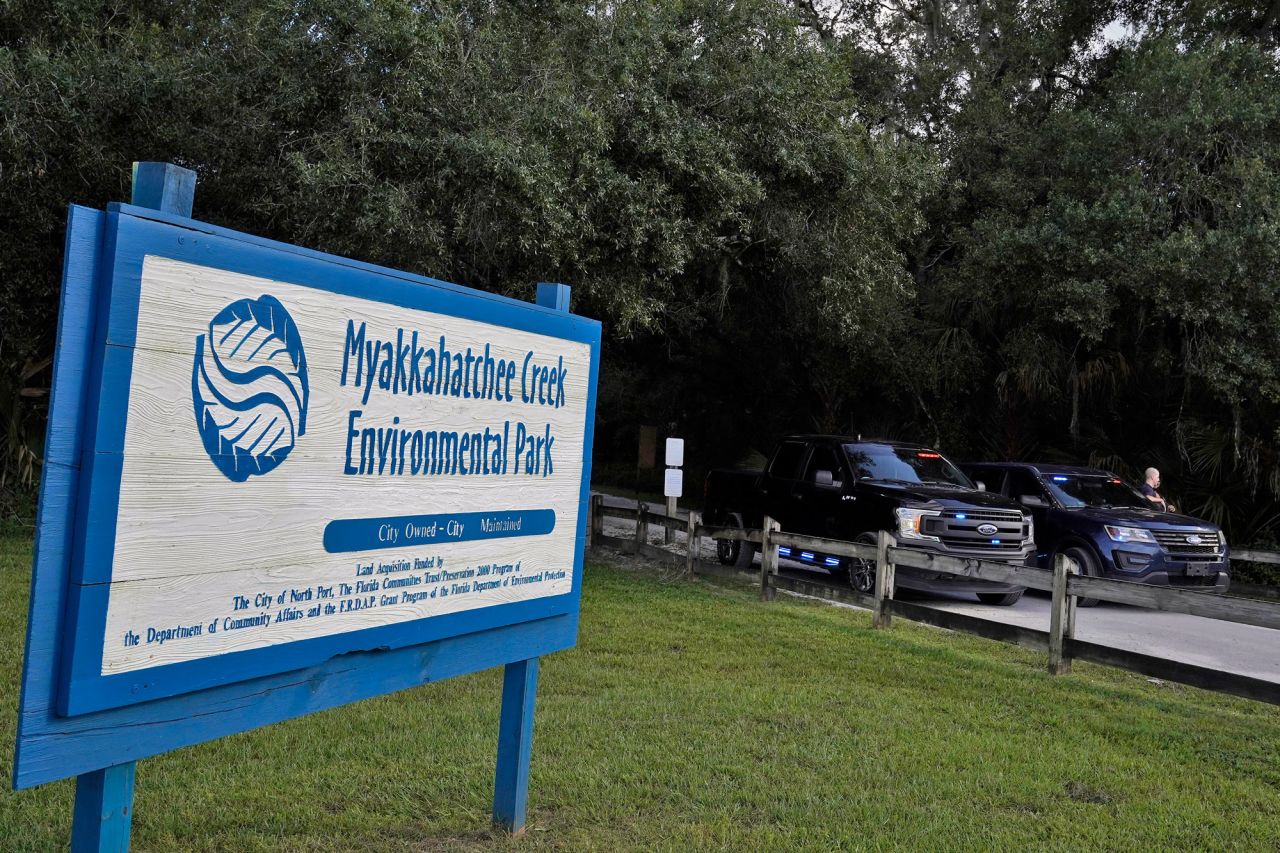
x: 1092, y: 491
x: 904, y: 465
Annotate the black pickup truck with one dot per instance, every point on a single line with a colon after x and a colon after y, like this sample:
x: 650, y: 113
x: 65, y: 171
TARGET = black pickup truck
x: 844, y: 488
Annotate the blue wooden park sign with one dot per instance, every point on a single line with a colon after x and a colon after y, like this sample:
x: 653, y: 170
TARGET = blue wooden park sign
x: 277, y: 481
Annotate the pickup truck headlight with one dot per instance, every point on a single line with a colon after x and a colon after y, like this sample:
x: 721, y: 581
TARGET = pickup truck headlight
x: 1222, y: 539
x: 1130, y: 534
x: 911, y: 522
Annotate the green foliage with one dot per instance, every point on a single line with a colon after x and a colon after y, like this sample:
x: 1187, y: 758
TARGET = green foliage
x: 1099, y: 268
x: 677, y: 163
x: 1017, y: 230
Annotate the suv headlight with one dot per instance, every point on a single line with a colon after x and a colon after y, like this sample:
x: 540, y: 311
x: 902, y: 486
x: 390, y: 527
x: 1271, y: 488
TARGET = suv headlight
x: 911, y: 522
x: 1222, y: 539
x: 1130, y: 534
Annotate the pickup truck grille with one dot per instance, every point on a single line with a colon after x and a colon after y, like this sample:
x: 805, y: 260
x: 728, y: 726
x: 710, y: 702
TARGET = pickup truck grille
x: 1176, y: 544
x: 994, y: 515
x: 958, y: 530
x: 958, y: 544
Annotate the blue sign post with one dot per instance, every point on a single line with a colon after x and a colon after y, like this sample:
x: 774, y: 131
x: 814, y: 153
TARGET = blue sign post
x: 277, y: 481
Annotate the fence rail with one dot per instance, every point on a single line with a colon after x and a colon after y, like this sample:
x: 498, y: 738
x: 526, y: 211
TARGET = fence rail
x: 1063, y: 582
x: 1246, y: 555
x: 986, y: 570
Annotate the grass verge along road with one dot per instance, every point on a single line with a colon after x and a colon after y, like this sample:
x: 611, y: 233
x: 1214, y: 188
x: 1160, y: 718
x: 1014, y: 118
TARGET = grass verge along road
x: 693, y: 716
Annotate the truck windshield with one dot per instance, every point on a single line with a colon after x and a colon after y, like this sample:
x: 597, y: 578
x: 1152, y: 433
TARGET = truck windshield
x: 904, y: 465
x: 1092, y: 491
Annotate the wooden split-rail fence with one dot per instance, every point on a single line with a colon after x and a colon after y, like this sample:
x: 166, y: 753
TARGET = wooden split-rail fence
x: 1064, y: 583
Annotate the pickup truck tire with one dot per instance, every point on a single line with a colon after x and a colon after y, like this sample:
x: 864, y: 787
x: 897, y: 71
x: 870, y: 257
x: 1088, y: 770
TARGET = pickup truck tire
x: 862, y: 573
x: 1000, y: 599
x: 735, y: 552
x: 1088, y: 567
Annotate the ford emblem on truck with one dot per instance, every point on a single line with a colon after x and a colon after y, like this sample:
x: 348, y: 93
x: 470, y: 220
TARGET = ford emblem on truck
x: 1193, y: 539
x: 987, y: 529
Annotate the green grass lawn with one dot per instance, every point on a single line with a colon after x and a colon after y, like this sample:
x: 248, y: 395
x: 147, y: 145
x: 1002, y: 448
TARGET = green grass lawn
x: 692, y: 716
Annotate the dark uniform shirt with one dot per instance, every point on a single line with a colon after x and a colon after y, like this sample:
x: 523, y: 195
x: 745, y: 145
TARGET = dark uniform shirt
x: 1150, y: 491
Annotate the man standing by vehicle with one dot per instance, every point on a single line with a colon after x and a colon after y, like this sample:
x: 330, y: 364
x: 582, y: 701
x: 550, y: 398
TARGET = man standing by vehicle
x: 1149, y: 490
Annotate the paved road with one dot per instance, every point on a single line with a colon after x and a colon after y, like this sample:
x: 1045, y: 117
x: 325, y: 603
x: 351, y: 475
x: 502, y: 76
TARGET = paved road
x: 1225, y: 646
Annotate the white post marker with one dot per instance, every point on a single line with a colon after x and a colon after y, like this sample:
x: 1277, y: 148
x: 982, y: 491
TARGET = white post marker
x: 675, y: 453
x: 673, y: 487
x: 673, y: 482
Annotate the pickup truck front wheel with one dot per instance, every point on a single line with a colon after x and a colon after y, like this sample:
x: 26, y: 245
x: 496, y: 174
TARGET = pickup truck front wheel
x: 862, y: 573
x: 735, y: 552
x: 1000, y: 599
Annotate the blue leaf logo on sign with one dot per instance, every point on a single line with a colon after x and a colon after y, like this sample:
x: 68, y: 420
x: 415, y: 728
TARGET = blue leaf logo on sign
x: 249, y: 387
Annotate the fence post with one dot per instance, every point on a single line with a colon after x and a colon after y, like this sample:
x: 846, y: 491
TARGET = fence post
x: 692, y: 542
x: 1062, y: 616
x: 642, y: 526
x: 881, y: 614
x: 597, y: 520
x: 768, y: 558
x: 668, y: 534
x: 1073, y: 568
x: 892, y: 567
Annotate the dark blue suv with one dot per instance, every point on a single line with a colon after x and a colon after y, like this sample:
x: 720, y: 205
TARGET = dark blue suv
x: 1109, y: 528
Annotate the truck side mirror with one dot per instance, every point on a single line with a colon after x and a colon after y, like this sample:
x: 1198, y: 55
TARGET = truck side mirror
x: 825, y: 480
x: 1032, y: 501
x: 982, y: 487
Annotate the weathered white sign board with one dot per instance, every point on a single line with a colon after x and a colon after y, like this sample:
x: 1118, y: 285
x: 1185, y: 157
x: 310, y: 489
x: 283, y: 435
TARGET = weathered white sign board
x: 433, y: 466
x: 673, y: 483
x: 675, y: 452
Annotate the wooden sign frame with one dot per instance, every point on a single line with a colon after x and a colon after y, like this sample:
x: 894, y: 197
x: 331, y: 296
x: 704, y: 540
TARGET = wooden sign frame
x: 73, y: 721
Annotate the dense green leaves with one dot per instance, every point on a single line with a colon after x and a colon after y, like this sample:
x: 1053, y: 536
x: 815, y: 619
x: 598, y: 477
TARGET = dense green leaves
x: 1018, y: 229
x: 670, y: 160
x: 1114, y: 249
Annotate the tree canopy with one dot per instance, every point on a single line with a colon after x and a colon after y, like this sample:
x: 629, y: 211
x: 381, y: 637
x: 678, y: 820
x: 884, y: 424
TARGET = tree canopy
x: 1013, y: 229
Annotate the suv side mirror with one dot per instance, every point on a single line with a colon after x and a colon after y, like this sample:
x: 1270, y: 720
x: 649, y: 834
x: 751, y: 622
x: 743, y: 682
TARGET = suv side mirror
x: 1033, y: 501
x: 982, y: 487
x: 825, y: 480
